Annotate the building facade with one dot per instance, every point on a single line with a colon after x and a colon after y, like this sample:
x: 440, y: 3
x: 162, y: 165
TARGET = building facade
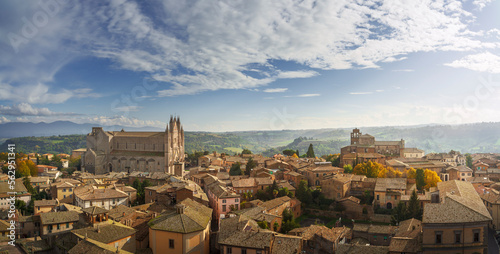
x: 121, y: 151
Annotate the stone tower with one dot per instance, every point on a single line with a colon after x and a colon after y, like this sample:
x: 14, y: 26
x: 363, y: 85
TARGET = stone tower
x: 174, y: 141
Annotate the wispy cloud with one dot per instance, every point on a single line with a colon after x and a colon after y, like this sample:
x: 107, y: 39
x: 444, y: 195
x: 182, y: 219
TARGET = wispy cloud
x: 127, y: 109
x: 303, y: 95
x: 25, y: 109
x: 275, y: 90
x: 484, y: 62
x: 360, y: 93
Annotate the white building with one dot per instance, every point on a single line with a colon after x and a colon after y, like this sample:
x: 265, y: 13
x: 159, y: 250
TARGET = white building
x: 104, y: 198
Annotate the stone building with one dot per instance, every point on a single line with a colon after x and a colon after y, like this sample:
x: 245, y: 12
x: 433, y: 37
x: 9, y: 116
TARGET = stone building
x: 364, y: 147
x: 123, y: 151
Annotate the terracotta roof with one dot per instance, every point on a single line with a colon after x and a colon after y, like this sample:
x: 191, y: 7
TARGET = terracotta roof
x: 491, y: 196
x: 221, y: 191
x: 249, y: 239
x: 264, y: 181
x: 94, y: 210
x: 119, y: 211
x: 193, y: 217
x: 374, y: 229
x: 461, y: 168
x: 244, y: 183
x: 286, y: 244
x: 383, y: 184
x: 273, y: 203
x: 59, y: 217
x: 460, y: 203
x: 106, y: 232
x: 45, y: 202
x: 101, y: 194
x: 365, y: 249
x: 91, y: 246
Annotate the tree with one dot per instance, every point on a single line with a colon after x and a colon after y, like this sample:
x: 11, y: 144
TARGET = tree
x: 468, y: 160
x: 347, y: 168
x: 414, y: 209
x: 276, y: 226
x: 27, y: 184
x: 235, y: 169
x: 303, y: 193
x: 399, y: 213
x: 431, y: 179
x: 32, y: 167
x: 288, y: 222
x: 246, y: 151
x: 310, y: 152
x: 410, y: 173
x: 288, y: 152
x: 295, y: 156
x: 369, y: 169
x: 420, y: 179
x: 21, y: 205
x: 251, y: 164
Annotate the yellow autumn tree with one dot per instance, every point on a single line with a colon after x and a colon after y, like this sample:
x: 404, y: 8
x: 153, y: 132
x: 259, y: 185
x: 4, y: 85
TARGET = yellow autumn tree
x: 32, y: 167
x: 369, y: 169
x: 410, y: 173
x: 23, y: 168
x: 431, y: 178
x: 393, y: 173
x: 295, y: 156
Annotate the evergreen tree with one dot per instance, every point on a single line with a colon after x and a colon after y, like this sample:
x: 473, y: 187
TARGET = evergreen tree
x: 468, y: 160
x: 297, y: 153
x: 310, y: 152
x: 414, y: 210
x: 235, y: 169
x: 399, y: 213
x: 420, y: 179
x: 251, y: 164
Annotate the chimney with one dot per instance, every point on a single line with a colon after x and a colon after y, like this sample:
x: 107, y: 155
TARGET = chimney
x: 98, y: 229
x: 180, y: 208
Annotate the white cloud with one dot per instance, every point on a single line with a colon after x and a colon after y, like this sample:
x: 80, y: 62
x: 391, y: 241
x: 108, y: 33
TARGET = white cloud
x: 480, y: 4
x: 297, y: 74
x: 484, y: 62
x: 360, y: 93
x: 379, y: 91
x: 127, y: 109
x: 40, y: 94
x: 25, y: 109
x: 275, y: 90
x: 3, y: 119
x: 304, y: 95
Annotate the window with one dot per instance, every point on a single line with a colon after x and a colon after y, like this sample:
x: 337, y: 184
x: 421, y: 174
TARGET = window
x: 476, y: 235
x: 229, y: 250
x: 439, y: 235
x: 64, y: 190
x: 458, y: 236
x: 67, y: 224
x: 58, y: 227
x: 236, y: 206
x: 378, y: 197
x: 171, y: 243
x: 223, y: 208
x: 243, y: 251
x: 258, y: 252
x: 395, y: 197
x: 223, y: 201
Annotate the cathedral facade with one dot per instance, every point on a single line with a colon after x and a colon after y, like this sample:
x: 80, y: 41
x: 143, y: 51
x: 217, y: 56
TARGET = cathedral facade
x: 123, y: 151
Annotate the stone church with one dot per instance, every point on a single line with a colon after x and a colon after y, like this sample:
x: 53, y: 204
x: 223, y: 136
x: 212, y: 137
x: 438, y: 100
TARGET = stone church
x: 124, y: 151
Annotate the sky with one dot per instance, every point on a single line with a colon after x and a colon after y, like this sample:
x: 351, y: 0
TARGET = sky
x: 240, y: 65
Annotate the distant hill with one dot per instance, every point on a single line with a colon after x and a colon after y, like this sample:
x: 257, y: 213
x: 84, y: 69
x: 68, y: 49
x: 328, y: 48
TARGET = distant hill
x: 473, y: 138
x: 17, y: 129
